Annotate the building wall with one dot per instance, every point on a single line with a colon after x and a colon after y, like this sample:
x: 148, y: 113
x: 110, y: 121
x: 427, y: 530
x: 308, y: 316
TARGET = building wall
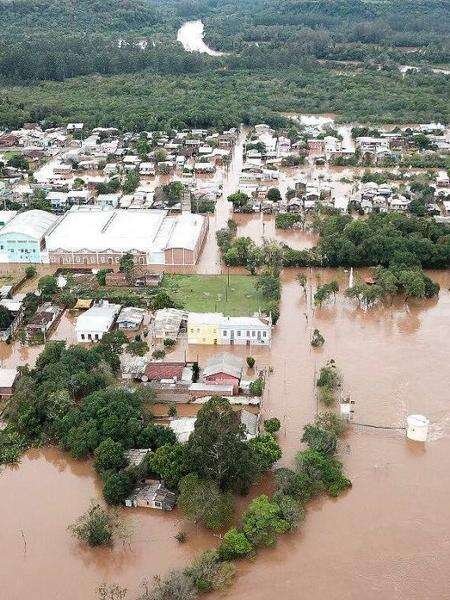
x: 241, y: 336
x: 107, y: 258
x: 183, y: 256
x: 203, y: 334
x: 18, y: 248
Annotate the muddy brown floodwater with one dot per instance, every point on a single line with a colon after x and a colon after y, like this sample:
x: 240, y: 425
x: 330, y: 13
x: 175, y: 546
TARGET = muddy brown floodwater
x: 388, y: 537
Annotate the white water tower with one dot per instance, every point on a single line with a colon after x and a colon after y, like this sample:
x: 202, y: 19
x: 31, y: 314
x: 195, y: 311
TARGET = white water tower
x: 417, y: 428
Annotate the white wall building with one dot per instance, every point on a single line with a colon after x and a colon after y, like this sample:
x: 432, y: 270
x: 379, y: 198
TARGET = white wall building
x: 95, y: 322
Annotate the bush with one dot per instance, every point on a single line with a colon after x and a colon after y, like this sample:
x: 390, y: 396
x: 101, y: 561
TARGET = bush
x: 250, y: 362
x: 234, y: 545
x: 137, y: 348
x: 30, y: 272
x: 158, y: 354
x: 209, y: 573
x: 169, y: 342
x: 272, y: 425
x: 257, y: 387
x: 263, y: 521
x: 96, y: 527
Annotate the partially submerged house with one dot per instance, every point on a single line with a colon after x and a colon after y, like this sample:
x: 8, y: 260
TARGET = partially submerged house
x: 151, y: 494
x: 224, y: 369
x: 8, y: 378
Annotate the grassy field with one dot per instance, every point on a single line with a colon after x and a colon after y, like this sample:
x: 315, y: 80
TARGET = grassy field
x: 210, y: 293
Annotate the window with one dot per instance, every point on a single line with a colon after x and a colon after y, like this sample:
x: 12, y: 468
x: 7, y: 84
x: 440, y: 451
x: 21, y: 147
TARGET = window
x: 96, y: 336
x: 264, y: 333
x: 253, y: 333
x: 82, y: 336
x: 248, y: 333
x: 224, y: 333
x: 239, y: 333
x: 89, y: 336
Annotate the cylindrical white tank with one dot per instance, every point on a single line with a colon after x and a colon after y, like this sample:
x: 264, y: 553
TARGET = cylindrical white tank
x: 417, y: 428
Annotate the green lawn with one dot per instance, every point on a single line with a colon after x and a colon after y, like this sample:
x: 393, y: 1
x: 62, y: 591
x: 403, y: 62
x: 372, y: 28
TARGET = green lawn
x: 210, y: 293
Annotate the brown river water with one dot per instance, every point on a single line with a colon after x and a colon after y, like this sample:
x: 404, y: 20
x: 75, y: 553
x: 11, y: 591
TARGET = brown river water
x: 388, y: 537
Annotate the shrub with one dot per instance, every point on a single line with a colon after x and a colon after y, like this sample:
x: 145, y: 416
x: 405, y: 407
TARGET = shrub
x: 158, y: 354
x: 169, y: 342
x: 30, y: 272
x: 234, y: 545
x: 272, y: 425
x: 96, y: 527
x: 257, y: 387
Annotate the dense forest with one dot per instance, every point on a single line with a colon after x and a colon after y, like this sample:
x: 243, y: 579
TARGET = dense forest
x: 280, y: 56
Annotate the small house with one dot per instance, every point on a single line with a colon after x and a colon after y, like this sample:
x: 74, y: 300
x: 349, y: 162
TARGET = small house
x: 151, y: 494
x: 8, y: 378
x: 95, y: 322
x: 224, y: 369
x: 130, y: 318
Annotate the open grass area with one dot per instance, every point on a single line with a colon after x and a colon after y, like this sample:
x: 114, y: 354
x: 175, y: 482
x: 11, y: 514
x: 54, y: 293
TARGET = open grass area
x: 211, y: 293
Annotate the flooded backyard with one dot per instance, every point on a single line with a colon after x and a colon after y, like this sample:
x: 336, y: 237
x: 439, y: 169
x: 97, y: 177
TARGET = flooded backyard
x: 388, y: 537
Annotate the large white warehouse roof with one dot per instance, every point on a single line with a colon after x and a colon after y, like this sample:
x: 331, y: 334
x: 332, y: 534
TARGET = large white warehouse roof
x: 145, y: 230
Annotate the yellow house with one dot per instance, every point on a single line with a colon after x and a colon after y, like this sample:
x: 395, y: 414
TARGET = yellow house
x: 203, y: 328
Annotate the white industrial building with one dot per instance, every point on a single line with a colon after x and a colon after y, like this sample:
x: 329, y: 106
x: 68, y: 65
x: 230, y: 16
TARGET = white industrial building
x: 92, y: 236
x: 95, y: 322
x: 22, y: 239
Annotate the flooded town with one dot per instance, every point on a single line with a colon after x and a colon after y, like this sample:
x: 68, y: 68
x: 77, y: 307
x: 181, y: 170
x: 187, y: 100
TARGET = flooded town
x: 192, y: 265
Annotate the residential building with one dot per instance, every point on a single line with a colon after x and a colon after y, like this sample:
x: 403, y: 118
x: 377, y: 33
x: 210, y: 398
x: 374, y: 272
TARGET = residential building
x: 130, y: 318
x: 215, y: 328
x: 151, y: 494
x: 8, y: 378
x: 96, y: 321
x: 224, y: 369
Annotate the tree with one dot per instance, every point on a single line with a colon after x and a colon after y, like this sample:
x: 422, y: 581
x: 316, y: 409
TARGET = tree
x: 317, y: 339
x: 257, y: 387
x: 331, y: 422
x: 117, y: 487
x: 203, y: 502
x: 6, y: 318
x: 170, y: 462
x: 323, y: 469
x: 267, y: 451
x: 250, y: 362
x: 155, y: 436
x: 30, y: 272
x: 217, y: 449
x: 111, y: 592
x: 290, y: 510
x: 48, y: 286
x: 238, y: 200
x: 325, y: 291
x: 319, y: 439
x: 209, y: 573
x: 272, y: 425
x: 96, y: 527
x: 175, y: 586
x: 131, y: 182
x: 273, y: 194
x: 234, y: 545
x: 263, y: 521
x: 109, y: 455
x: 67, y: 299
x: 126, y: 264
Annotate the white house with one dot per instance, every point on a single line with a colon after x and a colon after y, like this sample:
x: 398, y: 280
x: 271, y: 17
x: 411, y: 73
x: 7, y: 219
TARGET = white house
x: 95, y: 322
